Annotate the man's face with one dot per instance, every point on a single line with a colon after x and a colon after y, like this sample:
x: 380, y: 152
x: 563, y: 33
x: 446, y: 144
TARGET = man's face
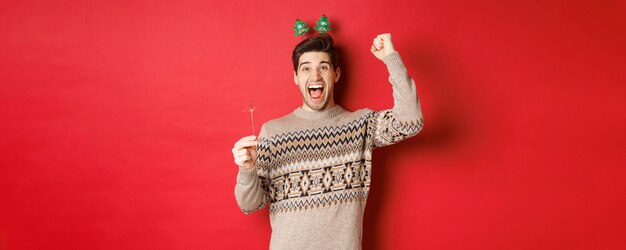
x: 316, y: 78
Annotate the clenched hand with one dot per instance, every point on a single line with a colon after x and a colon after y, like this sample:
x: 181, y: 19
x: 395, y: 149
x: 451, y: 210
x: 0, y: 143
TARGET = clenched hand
x: 382, y: 46
x: 244, y: 152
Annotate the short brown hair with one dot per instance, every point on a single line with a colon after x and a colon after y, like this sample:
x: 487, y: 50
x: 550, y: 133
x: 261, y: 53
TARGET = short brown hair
x: 317, y: 43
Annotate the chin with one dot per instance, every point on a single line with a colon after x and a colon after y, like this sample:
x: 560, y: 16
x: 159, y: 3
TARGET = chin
x: 317, y: 107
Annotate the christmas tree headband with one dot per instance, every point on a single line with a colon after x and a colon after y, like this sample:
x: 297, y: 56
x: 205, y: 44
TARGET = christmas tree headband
x: 322, y: 26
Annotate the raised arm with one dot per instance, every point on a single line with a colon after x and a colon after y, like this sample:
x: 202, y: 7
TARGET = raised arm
x: 405, y: 119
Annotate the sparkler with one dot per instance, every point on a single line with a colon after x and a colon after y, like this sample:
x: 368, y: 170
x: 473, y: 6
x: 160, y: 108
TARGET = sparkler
x: 250, y: 109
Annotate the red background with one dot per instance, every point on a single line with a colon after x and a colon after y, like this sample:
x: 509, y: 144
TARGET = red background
x: 118, y: 118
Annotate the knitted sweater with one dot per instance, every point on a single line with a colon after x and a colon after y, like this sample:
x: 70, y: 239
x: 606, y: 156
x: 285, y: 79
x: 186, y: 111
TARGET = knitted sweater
x: 313, y: 168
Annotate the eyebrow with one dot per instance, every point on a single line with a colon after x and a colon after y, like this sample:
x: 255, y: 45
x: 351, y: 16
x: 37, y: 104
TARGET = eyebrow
x: 307, y: 62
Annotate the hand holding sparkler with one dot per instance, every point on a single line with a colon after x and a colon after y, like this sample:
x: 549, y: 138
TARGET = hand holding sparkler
x: 244, y: 150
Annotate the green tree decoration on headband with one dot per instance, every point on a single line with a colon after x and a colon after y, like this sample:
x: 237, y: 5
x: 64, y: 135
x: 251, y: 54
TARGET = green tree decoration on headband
x: 300, y: 28
x: 323, y: 25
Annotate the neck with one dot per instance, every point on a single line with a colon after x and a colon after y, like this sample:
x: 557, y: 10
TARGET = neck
x: 318, y: 114
x: 331, y: 104
x: 327, y: 107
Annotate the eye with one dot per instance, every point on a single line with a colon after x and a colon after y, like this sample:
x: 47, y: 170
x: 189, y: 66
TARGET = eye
x: 324, y: 67
x: 305, y: 69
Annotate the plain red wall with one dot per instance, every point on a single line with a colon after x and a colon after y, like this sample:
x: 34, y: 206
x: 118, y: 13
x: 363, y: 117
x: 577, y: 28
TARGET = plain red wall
x: 118, y: 117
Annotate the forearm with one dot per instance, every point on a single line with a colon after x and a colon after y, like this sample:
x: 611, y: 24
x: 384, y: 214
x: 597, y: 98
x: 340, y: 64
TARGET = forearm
x: 248, y: 191
x: 406, y: 106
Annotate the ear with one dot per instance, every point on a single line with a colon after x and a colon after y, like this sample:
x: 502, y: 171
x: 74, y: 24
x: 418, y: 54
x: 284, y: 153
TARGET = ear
x: 337, y: 74
x: 295, y: 78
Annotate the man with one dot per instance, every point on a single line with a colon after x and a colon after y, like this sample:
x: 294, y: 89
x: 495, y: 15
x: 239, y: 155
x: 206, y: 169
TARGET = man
x: 313, y: 166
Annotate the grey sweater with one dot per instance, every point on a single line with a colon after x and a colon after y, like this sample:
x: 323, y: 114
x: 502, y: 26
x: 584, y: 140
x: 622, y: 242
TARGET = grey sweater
x: 314, y: 168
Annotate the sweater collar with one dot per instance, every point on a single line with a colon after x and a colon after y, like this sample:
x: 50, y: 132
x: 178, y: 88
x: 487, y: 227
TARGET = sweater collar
x: 314, y: 115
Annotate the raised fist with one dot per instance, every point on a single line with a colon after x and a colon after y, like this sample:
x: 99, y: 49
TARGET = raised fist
x: 382, y: 46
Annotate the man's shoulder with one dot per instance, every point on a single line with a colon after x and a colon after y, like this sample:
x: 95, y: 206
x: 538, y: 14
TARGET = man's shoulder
x: 275, y: 125
x: 287, y: 118
x: 358, y: 114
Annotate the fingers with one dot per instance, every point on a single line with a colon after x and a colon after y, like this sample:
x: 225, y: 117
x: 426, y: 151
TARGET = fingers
x: 244, y: 142
x: 382, y: 46
x: 373, y: 49
x: 378, y: 43
x: 241, y: 152
x: 244, y: 151
x: 243, y: 161
x: 247, y: 138
x: 382, y: 39
x: 244, y: 157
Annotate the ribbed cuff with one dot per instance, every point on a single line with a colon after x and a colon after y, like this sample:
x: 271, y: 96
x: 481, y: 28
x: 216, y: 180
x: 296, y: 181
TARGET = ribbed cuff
x: 394, y: 63
x: 247, y: 176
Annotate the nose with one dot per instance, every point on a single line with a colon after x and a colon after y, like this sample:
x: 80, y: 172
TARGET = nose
x: 316, y: 75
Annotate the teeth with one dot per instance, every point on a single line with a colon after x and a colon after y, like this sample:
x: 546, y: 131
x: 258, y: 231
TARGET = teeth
x: 316, y: 87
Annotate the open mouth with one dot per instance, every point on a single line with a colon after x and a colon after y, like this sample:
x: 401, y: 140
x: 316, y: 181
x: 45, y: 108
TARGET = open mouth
x: 316, y: 91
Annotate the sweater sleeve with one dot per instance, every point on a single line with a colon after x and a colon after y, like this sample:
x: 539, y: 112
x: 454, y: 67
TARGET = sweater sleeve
x: 405, y: 118
x: 252, y: 188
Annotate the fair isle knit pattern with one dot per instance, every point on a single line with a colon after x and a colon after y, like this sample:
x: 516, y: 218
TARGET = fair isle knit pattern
x: 314, y: 168
x: 325, y: 166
